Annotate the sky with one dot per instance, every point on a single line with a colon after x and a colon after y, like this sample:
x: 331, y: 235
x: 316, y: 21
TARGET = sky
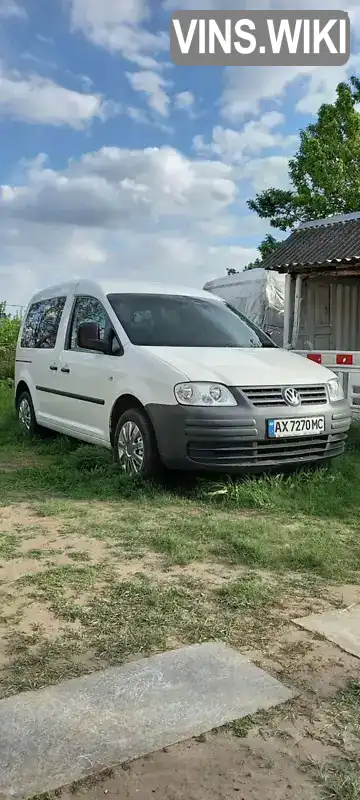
x: 115, y: 162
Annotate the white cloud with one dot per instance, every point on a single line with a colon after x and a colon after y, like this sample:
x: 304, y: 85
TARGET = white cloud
x: 233, y: 147
x: 185, y: 101
x: 239, y: 224
x: 9, y: 8
x: 141, y: 117
x: 265, y: 173
x: 137, y: 115
x: 109, y: 187
x: 154, y: 87
x: 146, y: 213
x: 118, y: 25
x: 321, y: 85
x: 172, y: 258
x: 351, y: 6
x: 109, y: 12
x: 245, y: 88
x: 152, y: 213
x: 48, y: 40
x: 242, y: 150
x: 35, y: 99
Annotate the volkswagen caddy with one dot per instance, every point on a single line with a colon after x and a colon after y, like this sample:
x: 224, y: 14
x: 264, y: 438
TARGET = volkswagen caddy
x: 174, y: 377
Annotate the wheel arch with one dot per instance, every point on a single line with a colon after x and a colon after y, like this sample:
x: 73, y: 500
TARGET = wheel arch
x: 20, y: 389
x: 124, y: 403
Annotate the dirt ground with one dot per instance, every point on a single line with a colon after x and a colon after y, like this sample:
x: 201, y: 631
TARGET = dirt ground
x: 286, y: 754
x: 279, y: 759
x: 280, y: 756
x: 222, y: 767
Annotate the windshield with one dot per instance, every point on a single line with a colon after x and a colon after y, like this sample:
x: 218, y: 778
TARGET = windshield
x: 181, y: 321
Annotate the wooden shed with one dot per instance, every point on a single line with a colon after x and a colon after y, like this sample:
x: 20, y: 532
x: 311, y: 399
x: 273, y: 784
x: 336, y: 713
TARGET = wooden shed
x: 321, y: 260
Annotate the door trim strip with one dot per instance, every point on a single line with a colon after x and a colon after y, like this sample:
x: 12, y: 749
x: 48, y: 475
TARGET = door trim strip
x: 96, y: 400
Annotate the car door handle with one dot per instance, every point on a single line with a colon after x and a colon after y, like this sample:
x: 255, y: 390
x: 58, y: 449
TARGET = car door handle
x: 53, y: 368
x: 65, y: 369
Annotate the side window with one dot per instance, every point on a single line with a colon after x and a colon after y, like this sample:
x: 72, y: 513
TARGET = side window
x: 87, y: 309
x: 42, y: 323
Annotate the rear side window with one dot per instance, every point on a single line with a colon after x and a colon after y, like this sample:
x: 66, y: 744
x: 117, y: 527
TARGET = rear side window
x: 42, y: 323
x: 87, y: 309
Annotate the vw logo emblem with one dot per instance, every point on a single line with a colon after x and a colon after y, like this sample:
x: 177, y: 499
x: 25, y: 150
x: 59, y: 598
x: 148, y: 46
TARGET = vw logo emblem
x: 291, y: 397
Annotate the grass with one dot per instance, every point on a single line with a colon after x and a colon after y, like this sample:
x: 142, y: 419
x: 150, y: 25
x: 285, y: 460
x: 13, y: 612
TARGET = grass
x: 340, y: 781
x: 137, y: 616
x: 339, y: 778
x: 8, y: 546
x: 63, y: 468
x: 305, y: 523
x: 119, y: 568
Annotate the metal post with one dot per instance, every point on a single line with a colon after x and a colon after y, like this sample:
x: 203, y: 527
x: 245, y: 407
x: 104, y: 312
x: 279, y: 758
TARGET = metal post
x: 297, y: 306
x: 287, y: 311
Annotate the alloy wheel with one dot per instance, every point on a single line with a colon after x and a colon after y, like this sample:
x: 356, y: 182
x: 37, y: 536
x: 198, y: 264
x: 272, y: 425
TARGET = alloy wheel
x: 25, y: 414
x: 131, y: 448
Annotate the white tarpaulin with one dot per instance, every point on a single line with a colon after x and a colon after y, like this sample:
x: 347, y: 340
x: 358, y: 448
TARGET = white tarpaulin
x: 257, y: 293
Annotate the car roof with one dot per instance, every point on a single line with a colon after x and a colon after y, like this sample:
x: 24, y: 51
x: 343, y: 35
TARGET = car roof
x: 110, y: 286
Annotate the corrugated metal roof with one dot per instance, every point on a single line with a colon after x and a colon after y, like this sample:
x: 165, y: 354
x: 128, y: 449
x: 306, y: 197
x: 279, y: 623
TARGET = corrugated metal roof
x: 330, y: 244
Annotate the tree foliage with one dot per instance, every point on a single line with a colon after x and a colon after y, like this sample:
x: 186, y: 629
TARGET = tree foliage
x: 9, y: 331
x: 325, y: 172
x: 267, y: 246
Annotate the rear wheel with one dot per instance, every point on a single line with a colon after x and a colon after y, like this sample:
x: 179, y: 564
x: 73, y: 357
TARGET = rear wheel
x: 26, y: 414
x: 135, y: 447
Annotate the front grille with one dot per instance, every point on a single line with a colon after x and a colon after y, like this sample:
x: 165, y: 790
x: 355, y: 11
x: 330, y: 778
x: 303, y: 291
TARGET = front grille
x: 272, y: 396
x: 266, y: 453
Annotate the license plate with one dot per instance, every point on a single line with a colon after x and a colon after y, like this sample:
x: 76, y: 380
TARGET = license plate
x: 299, y: 426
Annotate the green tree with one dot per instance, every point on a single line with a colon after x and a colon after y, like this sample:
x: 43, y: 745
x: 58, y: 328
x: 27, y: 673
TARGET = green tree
x: 325, y: 172
x: 9, y: 331
x: 268, y: 245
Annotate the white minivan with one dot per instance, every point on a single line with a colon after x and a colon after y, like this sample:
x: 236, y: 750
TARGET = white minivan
x: 173, y: 377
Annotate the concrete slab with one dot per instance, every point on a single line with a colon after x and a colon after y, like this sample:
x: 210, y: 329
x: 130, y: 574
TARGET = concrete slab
x: 66, y: 732
x: 341, y: 627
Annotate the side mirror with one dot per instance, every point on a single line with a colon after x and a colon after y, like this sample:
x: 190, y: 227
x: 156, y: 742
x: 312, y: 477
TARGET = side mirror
x: 88, y: 337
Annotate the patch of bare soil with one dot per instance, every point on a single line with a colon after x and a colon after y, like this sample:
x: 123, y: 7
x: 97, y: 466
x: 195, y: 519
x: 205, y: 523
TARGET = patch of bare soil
x: 23, y: 516
x: 221, y: 767
x: 306, y: 659
x: 37, y: 617
x: 20, y: 567
x: 26, y: 616
x: 275, y: 758
x: 53, y: 543
x: 310, y: 662
x: 153, y: 566
x: 19, y: 517
x: 40, y: 544
x: 11, y: 603
x: 346, y: 595
x: 210, y: 573
x: 42, y: 534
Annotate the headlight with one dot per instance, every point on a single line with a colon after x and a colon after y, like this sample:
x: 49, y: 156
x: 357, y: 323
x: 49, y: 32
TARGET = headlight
x: 203, y: 394
x: 335, y: 390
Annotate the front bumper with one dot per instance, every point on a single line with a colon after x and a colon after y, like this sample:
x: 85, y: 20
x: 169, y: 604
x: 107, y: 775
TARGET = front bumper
x: 234, y: 439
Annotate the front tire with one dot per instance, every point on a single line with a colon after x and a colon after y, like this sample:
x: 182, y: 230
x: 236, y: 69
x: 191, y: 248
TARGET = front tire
x: 26, y: 414
x: 135, y: 447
